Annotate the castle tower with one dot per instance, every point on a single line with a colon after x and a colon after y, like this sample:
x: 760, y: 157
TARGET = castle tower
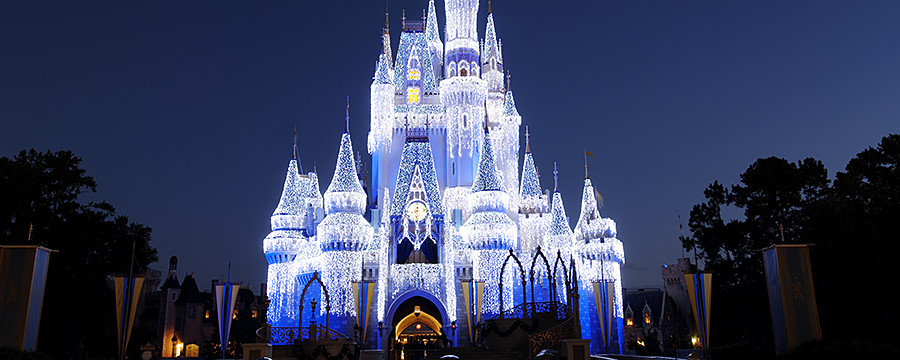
x: 435, y: 45
x: 171, y: 290
x: 558, y: 238
x: 490, y: 231
x: 463, y: 92
x: 506, y: 147
x: 534, y: 204
x: 283, y: 244
x: 600, y: 256
x: 382, y: 122
x: 343, y: 234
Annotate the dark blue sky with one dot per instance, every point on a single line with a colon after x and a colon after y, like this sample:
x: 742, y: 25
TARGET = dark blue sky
x: 183, y: 111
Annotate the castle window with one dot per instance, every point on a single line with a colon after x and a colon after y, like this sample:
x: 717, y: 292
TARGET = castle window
x: 629, y: 322
x: 413, y: 74
x: 462, y: 72
x: 646, y: 318
x: 412, y: 95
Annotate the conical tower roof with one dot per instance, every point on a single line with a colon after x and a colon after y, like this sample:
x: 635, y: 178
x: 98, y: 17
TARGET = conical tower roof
x: 345, y: 178
x: 488, y: 178
x: 491, y: 46
x: 509, y: 105
x: 312, y: 193
x: 531, y: 182
x: 291, y: 208
x: 559, y: 223
x: 383, y: 72
x: 590, y: 224
x: 431, y: 27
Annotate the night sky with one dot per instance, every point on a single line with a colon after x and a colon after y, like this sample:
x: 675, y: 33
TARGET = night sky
x: 184, y: 111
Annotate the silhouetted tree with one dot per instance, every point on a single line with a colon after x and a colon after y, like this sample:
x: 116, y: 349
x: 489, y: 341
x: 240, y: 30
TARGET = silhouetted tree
x: 853, y: 224
x: 39, y: 195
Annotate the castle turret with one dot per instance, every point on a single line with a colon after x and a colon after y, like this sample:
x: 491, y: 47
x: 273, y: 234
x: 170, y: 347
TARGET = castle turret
x: 489, y: 230
x: 505, y: 136
x: 463, y: 92
x: 283, y: 244
x: 382, y: 106
x: 599, y: 253
x: 344, y: 232
x: 435, y: 45
x: 534, y: 204
x: 559, y: 235
x: 491, y: 62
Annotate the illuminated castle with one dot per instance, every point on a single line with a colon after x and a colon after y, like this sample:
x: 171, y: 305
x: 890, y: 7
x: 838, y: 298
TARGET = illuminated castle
x: 447, y: 203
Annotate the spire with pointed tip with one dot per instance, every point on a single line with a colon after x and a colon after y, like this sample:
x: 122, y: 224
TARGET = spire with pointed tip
x: 345, y: 179
x: 555, y: 177
x: 491, y: 47
x: 531, y: 184
x: 386, y: 36
x: 527, y: 140
x: 347, y: 116
x: 294, y: 154
x: 509, y: 105
x: 487, y: 178
x: 559, y: 223
x: 432, y: 36
x: 586, y: 153
x: 491, y: 64
x: 290, y: 208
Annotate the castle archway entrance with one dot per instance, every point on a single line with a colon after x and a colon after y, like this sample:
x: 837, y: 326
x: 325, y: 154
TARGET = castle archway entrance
x: 417, y: 326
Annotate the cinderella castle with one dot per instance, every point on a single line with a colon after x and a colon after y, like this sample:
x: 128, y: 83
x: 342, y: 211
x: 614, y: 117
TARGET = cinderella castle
x: 457, y: 232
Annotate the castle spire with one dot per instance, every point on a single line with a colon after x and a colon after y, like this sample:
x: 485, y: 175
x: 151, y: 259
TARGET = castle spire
x: 555, y: 177
x: 345, y: 179
x: 559, y: 234
x: 531, y: 184
x: 294, y: 155
x: 487, y: 178
x: 508, y: 80
x: 586, y: 153
x: 386, y: 36
x: 527, y: 140
x: 347, y: 116
x: 290, y: 208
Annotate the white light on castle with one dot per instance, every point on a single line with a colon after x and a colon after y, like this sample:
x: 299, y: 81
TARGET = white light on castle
x: 448, y: 200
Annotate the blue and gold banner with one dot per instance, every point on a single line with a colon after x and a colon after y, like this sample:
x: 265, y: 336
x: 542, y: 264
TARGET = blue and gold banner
x: 128, y: 292
x: 792, y: 297
x: 363, y: 294
x: 473, y: 294
x: 699, y: 286
x: 467, y: 299
x: 604, y: 292
x: 23, y: 274
x: 226, y: 297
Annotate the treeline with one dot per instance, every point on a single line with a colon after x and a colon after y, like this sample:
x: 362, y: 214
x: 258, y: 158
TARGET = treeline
x: 853, y: 222
x: 39, y: 205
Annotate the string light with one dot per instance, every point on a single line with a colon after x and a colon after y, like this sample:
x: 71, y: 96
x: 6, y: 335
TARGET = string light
x: 473, y: 226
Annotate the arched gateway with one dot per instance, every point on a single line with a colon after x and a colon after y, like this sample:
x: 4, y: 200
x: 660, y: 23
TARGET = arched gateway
x: 418, y: 323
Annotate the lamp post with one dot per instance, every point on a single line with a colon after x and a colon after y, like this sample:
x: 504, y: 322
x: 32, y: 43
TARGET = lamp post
x: 380, y: 329
x: 174, y: 342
